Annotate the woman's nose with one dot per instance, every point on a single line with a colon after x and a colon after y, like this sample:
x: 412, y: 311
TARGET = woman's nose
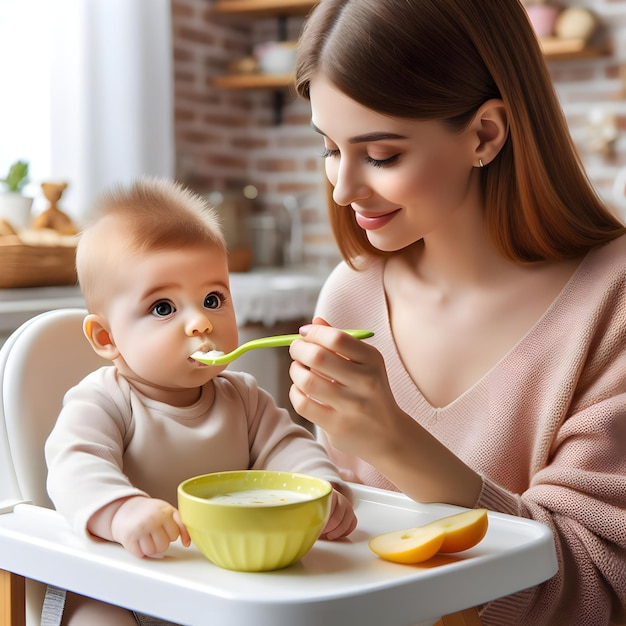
x: 198, y: 324
x: 349, y: 185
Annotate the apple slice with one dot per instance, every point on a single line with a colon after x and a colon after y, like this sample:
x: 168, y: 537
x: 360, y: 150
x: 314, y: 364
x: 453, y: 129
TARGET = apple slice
x: 463, y: 530
x: 413, y: 545
x: 454, y: 533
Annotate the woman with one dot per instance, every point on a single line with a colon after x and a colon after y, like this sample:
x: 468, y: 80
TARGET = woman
x: 493, y: 277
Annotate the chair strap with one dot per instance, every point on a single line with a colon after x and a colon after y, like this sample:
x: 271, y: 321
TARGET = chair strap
x: 53, y: 605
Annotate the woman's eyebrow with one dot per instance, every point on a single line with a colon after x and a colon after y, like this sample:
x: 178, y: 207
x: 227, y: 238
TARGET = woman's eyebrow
x: 367, y: 138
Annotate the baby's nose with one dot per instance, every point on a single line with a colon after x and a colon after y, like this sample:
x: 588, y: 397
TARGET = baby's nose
x: 199, y: 324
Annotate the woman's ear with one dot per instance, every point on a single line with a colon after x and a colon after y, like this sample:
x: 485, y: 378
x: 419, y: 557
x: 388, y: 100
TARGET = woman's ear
x: 490, y: 127
x: 94, y: 327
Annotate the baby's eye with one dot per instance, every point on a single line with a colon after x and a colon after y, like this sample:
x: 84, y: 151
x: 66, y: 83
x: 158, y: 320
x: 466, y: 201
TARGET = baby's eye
x: 163, y: 309
x: 214, y: 300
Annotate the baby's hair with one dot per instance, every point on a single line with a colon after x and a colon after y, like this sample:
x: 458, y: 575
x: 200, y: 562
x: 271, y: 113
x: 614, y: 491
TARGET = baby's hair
x: 150, y: 214
x: 160, y: 213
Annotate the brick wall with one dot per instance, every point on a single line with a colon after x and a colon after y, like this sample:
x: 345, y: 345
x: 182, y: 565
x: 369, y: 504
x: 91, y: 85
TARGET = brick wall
x: 227, y: 139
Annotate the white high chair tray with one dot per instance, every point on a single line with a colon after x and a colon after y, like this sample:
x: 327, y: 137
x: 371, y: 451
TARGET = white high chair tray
x: 336, y: 583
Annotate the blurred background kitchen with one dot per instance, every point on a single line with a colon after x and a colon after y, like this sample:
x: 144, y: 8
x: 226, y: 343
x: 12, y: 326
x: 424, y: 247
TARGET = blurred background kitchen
x: 96, y: 92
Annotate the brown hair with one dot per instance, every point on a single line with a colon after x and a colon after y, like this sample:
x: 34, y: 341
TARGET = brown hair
x: 440, y: 60
x: 150, y: 214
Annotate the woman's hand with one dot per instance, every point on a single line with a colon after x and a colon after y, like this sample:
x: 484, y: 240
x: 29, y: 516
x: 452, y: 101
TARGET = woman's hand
x: 341, y: 385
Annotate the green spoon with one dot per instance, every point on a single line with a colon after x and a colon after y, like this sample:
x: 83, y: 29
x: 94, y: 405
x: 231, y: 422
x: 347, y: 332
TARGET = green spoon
x: 215, y: 357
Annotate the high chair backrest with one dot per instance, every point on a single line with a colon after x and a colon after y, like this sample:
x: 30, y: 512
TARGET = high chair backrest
x: 39, y: 362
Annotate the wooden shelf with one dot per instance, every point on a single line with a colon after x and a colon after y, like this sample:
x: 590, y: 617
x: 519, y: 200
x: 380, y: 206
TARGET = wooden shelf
x: 254, y: 81
x: 555, y: 49
x: 264, y: 8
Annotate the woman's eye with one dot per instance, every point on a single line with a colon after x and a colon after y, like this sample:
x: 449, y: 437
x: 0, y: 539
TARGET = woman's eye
x: 382, y: 162
x: 163, y: 309
x: 214, y: 300
x: 331, y: 152
x: 328, y: 152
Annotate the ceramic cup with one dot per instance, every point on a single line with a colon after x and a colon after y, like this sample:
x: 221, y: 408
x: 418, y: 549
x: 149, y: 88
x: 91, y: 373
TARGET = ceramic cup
x: 275, y: 57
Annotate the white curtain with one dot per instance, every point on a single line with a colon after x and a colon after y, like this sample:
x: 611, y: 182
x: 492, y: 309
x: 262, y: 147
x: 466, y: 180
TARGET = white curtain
x: 86, y: 93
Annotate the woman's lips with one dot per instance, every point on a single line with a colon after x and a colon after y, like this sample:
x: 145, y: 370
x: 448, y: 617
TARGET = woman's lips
x: 374, y: 222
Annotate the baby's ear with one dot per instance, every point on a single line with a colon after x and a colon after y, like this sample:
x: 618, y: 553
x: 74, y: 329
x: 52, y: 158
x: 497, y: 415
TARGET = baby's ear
x: 94, y: 327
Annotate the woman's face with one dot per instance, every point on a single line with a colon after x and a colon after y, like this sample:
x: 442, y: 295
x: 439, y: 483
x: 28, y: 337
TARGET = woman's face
x: 405, y: 179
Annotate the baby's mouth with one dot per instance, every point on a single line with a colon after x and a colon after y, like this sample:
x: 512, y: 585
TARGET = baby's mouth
x: 206, y: 352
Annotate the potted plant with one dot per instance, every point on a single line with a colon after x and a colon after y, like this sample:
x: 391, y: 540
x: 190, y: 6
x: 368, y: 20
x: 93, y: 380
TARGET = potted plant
x: 542, y: 15
x: 14, y: 206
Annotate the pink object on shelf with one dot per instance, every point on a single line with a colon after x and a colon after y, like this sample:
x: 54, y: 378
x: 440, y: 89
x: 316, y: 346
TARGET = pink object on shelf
x: 543, y: 18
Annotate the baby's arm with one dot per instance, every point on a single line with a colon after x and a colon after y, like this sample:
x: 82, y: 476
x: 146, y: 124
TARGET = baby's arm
x: 342, y: 520
x: 144, y: 526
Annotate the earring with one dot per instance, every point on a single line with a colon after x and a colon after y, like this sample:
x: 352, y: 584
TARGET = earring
x: 480, y: 162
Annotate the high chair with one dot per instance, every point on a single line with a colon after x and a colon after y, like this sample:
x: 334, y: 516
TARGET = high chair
x: 39, y: 362
x: 337, y: 583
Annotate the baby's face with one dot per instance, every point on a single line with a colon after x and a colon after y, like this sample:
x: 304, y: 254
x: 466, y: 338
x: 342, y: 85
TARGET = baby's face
x: 165, y: 306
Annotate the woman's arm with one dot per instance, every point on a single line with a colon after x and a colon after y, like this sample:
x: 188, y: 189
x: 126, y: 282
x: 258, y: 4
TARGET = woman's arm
x: 340, y: 384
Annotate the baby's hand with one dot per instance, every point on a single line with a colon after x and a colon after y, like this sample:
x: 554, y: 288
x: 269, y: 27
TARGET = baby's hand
x: 147, y: 526
x: 342, y: 520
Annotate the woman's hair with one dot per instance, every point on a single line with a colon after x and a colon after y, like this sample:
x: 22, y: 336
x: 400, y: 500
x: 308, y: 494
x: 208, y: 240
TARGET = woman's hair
x: 151, y: 214
x: 441, y: 60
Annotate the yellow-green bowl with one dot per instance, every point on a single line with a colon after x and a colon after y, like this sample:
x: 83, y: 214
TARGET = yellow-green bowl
x: 254, y: 537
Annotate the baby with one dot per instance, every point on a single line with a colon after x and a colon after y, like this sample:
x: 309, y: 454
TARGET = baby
x: 153, y: 269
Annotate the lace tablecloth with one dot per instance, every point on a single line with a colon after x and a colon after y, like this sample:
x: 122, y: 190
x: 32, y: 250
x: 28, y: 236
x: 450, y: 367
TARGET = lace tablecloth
x: 270, y: 297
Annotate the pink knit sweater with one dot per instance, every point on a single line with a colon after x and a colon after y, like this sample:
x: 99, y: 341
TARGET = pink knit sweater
x: 546, y: 428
